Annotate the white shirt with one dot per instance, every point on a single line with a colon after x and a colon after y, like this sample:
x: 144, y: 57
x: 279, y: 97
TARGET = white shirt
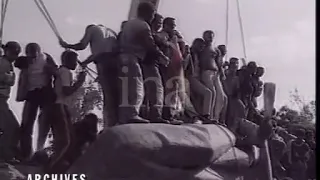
x: 100, y: 38
x: 63, y: 79
x: 36, y: 73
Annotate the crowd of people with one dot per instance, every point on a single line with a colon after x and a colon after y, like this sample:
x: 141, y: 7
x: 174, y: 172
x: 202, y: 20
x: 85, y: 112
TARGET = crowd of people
x: 293, y: 155
x: 148, y: 74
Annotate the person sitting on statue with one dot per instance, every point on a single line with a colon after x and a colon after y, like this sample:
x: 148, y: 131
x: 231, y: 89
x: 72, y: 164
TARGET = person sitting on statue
x: 172, y: 75
x: 101, y: 40
x: 36, y: 90
x: 9, y: 126
x: 63, y: 141
x: 154, y: 91
x: 135, y: 42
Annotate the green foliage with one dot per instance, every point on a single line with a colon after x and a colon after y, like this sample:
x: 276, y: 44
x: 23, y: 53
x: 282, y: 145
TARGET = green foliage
x: 85, y: 100
x: 302, y: 117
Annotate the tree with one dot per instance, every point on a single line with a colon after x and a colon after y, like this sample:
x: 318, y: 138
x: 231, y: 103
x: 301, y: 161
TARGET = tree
x: 85, y: 100
x: 303, y: 117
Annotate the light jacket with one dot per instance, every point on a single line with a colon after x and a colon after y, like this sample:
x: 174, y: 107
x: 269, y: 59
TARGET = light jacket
x: 23, y: 81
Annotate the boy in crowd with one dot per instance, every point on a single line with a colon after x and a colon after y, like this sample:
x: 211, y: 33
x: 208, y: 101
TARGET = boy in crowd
x: 60, y: 120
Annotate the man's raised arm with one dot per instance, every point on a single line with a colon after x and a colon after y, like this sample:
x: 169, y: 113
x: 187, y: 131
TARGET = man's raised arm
x: 84, y: 42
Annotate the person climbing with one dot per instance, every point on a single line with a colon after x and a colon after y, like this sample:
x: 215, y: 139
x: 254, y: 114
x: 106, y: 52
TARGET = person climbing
x: 210, y: 72
x: 9, y: 126
x: 101, y: 40
x: 200, y: 95
x: 154, y: 92
x: 60, y: 120
x: 37, y: 93
x: 135, y: 42
x: 173, y: 78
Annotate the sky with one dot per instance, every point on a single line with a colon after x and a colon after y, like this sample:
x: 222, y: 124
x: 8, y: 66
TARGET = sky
x: 279, y: 34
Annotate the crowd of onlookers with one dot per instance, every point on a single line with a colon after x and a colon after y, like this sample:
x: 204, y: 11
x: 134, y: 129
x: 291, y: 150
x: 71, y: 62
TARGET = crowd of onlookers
x: 293, y: 153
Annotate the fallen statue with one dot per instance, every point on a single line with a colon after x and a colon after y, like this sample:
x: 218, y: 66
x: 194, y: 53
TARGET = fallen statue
x: 186, y: 152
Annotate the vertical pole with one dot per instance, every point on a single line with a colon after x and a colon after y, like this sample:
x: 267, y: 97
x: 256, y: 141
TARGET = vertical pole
x: 134, y: 6
x: 227, y: 27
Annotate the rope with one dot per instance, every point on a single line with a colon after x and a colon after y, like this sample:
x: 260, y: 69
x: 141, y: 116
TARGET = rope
x: 44, y: 11
x: 40, y: 4
x: 241, y: 30
x: 4, y: 7
x: 227, y: 27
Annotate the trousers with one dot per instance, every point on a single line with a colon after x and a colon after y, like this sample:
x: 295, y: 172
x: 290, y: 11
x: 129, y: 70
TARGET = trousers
x: 154, y: 92
x: 108, y: 80
x: 174, y: 91
x: 36, y: 100
x: 131, y: 87
x: 63, y: 137
x: 219, y: 100
x: 201, y: 95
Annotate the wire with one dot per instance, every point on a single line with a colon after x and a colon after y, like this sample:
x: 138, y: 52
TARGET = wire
x: 241, y: 30
x: 227, y: 27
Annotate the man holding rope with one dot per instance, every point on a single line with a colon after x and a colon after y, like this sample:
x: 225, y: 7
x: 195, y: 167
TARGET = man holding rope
x: 102, y: 40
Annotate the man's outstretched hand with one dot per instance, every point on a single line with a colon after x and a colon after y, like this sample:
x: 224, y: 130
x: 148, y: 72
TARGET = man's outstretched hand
x: 63, y: 43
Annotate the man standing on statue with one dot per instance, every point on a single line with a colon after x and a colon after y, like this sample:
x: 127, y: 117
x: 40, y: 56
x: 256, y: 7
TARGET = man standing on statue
x: 135, y: 42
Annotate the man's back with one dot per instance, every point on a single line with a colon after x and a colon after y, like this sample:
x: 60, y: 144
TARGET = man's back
x: 102, y: 39
x: 130, y: 41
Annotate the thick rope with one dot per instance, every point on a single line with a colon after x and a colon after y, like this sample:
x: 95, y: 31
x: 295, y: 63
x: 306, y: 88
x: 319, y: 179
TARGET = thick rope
x: 241, y: 30
x: 44, y: 11
x: 4, y: 7
x: 41, y: 6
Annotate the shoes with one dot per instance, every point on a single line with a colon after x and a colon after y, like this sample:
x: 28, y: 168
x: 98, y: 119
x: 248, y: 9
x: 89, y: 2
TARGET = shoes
x: 175, y: 121
x: 207, y: 120
x: 160, y: 120
x: 137, y: 120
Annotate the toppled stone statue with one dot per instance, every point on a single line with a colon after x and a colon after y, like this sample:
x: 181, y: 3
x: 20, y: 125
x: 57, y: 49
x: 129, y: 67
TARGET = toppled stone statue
x: 160, y: 151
